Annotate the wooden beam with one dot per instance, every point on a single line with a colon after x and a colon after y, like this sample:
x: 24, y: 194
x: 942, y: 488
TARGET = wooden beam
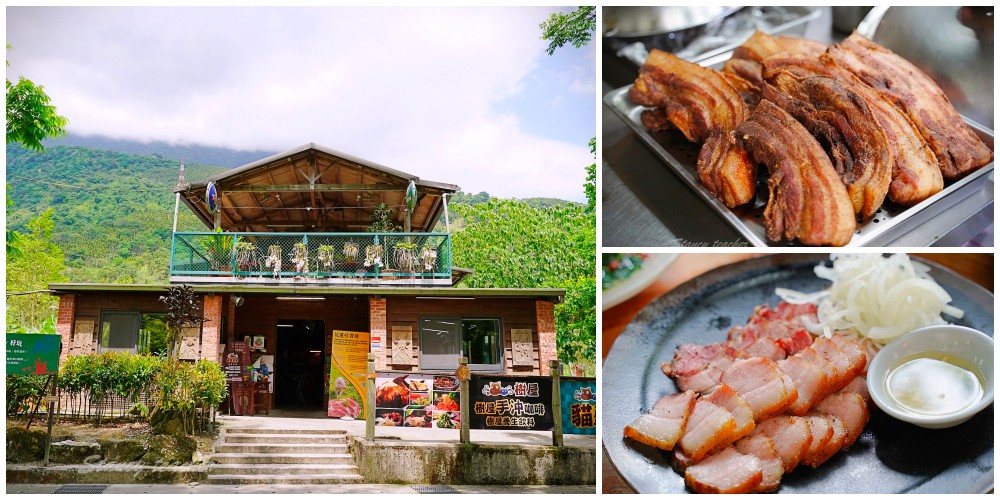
x: 318, y: 187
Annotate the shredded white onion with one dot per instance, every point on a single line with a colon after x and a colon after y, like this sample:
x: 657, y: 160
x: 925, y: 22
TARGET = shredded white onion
x: 879, y: 297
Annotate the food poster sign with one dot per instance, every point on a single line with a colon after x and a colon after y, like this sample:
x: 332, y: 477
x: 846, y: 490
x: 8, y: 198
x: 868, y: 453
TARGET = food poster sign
x: 523, y: 403
x: 579, y: 406
x: 32, y: 354
x: 348, y: 366
x: 417, y: 400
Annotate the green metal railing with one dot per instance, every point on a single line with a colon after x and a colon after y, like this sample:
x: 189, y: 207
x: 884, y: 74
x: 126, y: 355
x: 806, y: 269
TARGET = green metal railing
x: 311, y: 255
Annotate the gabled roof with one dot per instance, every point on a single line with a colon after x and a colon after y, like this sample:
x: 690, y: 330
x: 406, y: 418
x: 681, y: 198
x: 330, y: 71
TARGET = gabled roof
x: 313, y: 188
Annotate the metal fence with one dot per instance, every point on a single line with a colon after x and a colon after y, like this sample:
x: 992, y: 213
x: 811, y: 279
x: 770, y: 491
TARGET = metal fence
x: 311, y: 255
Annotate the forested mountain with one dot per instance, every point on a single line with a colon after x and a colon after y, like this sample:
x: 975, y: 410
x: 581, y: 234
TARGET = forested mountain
x: 112, y: 212
x: 190, y: 153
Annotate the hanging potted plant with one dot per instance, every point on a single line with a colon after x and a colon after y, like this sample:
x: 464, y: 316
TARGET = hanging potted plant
x: 428, y: 259
x: 273, y: 261
x: 406, y: 256
x: 244, y: 253
x: 350, y: 251
x: 300, y: 258
x: 218, y: 248
x: 326, y: 257
x: 373, y: 255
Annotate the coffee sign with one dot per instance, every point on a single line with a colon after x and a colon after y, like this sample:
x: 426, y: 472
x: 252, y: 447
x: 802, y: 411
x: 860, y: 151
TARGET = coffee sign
x: 499, y: 402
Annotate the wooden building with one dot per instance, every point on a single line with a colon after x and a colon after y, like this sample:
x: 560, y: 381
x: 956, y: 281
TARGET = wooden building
x: 288, y: 263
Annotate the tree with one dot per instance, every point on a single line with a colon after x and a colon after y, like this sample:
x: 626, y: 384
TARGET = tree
x: 182, y: 312
x: 510, y: 244
x: 575, y: 27
x: 30, y: 116
x: 590, y: 186
x: 35, y: 263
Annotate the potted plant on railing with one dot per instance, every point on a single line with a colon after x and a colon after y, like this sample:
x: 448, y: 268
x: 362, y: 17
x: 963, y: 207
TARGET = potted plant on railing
x: 428, y: 259
x: 273, y: 261
x: 326, y: 257
x: 350, y: 251
x: 406, y: 256
x: 217, y: 248
x: 300, y: 258
x: 373, y: 255
x: 244, y: 253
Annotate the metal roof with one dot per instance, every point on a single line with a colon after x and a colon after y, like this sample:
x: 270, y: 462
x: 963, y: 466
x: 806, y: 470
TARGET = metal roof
x: 555, y: 294
x: 312, y: 188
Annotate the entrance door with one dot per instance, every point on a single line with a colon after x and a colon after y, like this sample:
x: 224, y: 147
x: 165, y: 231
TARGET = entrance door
x: 299, y: 366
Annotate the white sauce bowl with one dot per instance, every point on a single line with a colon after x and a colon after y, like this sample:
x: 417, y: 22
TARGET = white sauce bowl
x: 972, y: 345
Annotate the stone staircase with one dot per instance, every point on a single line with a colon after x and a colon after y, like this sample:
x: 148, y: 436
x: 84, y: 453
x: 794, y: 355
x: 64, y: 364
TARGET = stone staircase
x: 282, y: 456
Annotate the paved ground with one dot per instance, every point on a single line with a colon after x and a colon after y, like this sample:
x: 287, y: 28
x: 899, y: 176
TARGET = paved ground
x: 318, y: 420
x: 47, y: 489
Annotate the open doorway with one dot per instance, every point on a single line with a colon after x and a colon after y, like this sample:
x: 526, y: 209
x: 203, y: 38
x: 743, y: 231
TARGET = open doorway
x: 299, y: 367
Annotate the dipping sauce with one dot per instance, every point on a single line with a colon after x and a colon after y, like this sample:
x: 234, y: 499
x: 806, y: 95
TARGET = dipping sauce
x: 934, y: 384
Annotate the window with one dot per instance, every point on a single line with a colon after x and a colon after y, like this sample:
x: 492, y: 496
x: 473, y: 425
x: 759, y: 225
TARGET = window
x: 133, y: 332
x: 444, y: 340
x: 119, y: 331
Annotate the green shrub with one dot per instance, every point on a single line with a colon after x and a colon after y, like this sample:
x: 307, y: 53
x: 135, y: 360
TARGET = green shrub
x: 22, y: 390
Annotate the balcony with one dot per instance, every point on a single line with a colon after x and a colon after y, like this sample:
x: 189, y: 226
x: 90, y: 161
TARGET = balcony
x: 312, y: 258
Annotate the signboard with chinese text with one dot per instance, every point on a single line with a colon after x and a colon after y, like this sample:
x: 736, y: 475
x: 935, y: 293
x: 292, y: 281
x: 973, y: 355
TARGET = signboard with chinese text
x: 32, y: 354
x: 348, y: 366
x: 579, y: 405
x: 500, y: 402
x: 417, y: 400
x: 236, y: 360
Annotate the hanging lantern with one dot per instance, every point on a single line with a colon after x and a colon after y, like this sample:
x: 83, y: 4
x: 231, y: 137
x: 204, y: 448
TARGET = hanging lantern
x: 212, y: 198
x: 411, y: 196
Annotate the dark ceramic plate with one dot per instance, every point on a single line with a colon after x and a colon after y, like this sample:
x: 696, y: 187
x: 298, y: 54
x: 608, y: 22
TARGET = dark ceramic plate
x: 889, y: 457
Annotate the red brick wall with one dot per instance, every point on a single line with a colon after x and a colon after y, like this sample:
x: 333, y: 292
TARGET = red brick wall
x: 545, y: 311
x: 64, y: 323
x: 379, y: 330
x: 212, y: 327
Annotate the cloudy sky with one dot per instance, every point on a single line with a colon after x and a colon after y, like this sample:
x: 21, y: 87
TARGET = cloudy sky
x: 460, y: 95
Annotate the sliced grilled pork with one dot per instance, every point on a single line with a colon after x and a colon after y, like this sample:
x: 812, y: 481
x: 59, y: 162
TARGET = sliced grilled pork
x: 709, y: 427
x: 822, y: 432
x: 851, y: 409
x: 847, y: 364
x: 761, y: 384
x: 728, y: 471
x: 699, y: 367
x: 791, y: 438
x: 833, y: 445
x: 859, y: 386
x: 664, y: 425
x: 762, y: 447
x: 811, y: 383
x: 727, y: 398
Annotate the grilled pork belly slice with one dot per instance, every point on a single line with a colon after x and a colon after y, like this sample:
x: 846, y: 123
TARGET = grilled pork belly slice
x: 842, y: 122
x: 747, y: 58
x: 859, y: 386
x: 848, y: 362
x: 726, y: 171
x: 811, y: 384
x: 807, y: 200
x: 664, y: 425
x: 698, y: 101
x: 699, y: 367
x: 761, y: 384
x: 851, y: 409
x: 709, y: 427
x: 821, y: 429
x: 790, y: 436
x: 725, y: 397
x: 728, y: 471
x: 958, y: 149
x: 915, y: 171
x: 762, y: 447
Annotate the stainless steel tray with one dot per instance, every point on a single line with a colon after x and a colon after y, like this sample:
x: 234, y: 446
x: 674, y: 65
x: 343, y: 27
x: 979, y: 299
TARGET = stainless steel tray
x: 890, y: 222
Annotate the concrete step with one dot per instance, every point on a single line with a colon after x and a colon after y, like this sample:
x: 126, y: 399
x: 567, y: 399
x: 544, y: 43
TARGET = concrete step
x: 284, y: 458
x: 254, y: 430
x: 280, y: 448
x: 231, y: 437
x: 285, y: 479
x: 281, y: 469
